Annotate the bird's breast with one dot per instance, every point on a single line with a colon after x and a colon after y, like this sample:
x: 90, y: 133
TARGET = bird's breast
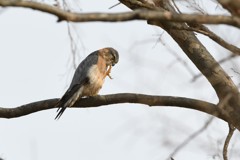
x: 96, y: 80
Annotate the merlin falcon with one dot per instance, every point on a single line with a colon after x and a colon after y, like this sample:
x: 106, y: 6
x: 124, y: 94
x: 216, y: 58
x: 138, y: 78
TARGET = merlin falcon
x: 88, y: 77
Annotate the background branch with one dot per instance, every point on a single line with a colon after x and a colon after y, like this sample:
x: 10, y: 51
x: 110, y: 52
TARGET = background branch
x: 126, y: 16
x: 226, y: 143
x: 98, y: 101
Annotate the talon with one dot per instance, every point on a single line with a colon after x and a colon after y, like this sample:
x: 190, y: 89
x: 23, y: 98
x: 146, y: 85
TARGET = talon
x: 108, y: 72
x: 109, y: 76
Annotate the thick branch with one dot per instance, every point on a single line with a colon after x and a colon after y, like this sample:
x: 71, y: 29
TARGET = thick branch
x: 126, y: 16
x: 203, y: 60
x: 98, y: 101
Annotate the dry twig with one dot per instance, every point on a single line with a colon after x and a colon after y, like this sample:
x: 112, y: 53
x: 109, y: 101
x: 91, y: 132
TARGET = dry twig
x: 228, y: 138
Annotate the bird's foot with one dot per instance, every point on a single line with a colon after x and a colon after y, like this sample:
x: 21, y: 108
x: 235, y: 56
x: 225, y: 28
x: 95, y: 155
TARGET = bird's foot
x: 108, y: 72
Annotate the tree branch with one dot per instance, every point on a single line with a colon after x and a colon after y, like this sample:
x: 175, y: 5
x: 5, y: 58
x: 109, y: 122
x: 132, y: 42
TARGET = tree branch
x: 126, y: 16
x: 220, y: 62
x: 205, y: 31
x: 98, y: 101
x: 202, y: 59
x: 226, y: 143
x: 199, y: 28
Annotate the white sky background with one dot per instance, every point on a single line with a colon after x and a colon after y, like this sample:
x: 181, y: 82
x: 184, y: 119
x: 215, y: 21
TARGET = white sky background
x: 36, y: 64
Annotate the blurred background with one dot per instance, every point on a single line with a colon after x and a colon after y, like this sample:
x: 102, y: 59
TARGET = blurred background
x: 38, y: 57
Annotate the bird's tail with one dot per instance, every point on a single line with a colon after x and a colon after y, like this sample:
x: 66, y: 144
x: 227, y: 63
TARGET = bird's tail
x: 62, y: 105
x: 68, y: 100
x: 60, y: 109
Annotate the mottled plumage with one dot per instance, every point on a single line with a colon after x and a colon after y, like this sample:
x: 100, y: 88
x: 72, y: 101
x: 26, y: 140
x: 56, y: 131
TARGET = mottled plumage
x: 88, y: 77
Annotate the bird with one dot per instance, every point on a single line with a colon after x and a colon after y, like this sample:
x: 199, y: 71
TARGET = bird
x: 88, y: 77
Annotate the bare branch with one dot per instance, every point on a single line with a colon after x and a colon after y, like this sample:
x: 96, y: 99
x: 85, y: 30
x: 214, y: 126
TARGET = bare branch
x: 204, y: 61
x: 226, y: 144
x: 199, y: 28
x: 98, y: 101
x: 114, y: 5
x: 220, y: 62
x: 205, y: 31
x: 126, y: 16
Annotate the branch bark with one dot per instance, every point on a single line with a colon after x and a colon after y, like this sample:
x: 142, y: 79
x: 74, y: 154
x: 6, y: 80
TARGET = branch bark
x: 98, y: 101
x: 199, y: 55
x: 205, y: 31
x: 162, y: 14
x: 126, y: 16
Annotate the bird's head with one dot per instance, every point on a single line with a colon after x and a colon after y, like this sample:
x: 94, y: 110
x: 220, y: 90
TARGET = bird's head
x: 110, y: 55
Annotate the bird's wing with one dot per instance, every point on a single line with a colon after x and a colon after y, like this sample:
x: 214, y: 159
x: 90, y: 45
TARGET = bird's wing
x: 69, y: 98
x: 82, y: 70
x: 80, y: 79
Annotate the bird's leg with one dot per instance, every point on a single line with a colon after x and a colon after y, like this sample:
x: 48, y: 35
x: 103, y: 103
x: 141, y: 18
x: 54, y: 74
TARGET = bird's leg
x: 108, y: 72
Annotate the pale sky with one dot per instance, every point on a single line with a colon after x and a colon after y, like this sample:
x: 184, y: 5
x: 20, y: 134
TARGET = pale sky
x: 36, y: 64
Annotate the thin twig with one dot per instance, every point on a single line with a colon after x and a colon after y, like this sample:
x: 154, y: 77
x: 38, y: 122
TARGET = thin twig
x: 114, y: 5
x: 235, y: 71
x: 228, y: 138
x: 176, y: 7
x: 207, y: 32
